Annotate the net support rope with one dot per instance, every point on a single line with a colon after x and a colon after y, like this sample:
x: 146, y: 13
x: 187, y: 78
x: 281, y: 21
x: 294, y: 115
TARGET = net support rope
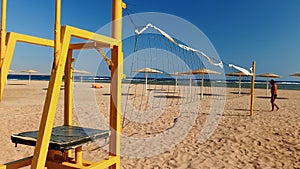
x: 149, y: 25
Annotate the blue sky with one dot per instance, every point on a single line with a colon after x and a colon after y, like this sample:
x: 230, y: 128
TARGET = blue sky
x: 267, y: 31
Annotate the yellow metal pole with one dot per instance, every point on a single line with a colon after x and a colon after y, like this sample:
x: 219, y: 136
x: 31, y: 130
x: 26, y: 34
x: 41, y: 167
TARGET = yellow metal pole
x: 11, y: 40
x: 11, y: 43
x: 68, y: 90
x: 78, y: 155
x: 68, y: 94
x: 252, y: 88
x: 46, y: 124
x: 3, y: 30
x: 2, y: 45
x: 57, y: 31
x: 116, y: 82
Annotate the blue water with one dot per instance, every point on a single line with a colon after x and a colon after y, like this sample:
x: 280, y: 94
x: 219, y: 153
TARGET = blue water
x: 287, y: 85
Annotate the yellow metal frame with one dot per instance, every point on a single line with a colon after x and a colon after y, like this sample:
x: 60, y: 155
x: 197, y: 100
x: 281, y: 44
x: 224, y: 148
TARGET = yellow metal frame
x: 62, y: 65
x: 12, y: 39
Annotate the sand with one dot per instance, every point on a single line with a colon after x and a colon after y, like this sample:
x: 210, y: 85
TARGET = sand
x: 173, y: 135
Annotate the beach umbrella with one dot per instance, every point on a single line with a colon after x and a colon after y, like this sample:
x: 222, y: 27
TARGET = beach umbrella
x: 80, y: 72
x: 11, y: 71
x: 268, y: 75
x: 147, y: 71
x: 295, y: 74
x: 240, y: 75
x: 29, y: 71
x: 176, y: 74
x: 201, y: 72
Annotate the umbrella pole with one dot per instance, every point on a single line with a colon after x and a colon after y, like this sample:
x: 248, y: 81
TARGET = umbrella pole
x: 239, y: 85
x: 146, y: 82
x: 29, y: 78
x: 190, y: 85
x: 267, y: 84
x: 202, y: 82
x: 176, y: 80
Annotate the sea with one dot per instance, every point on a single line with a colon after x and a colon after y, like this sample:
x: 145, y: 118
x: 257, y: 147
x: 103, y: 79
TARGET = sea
x: 286, y: 85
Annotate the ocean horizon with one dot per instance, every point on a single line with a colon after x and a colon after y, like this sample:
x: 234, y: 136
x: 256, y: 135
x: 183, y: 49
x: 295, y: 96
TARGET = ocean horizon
x: 287, y: 85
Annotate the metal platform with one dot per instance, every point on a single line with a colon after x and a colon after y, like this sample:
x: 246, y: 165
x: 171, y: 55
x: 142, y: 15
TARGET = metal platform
x: 63, y: 137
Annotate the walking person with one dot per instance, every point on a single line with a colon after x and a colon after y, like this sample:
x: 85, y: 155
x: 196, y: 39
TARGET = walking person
x: 274, y: 89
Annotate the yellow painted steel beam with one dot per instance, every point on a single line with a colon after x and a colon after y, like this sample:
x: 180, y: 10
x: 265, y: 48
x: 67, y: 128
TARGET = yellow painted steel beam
x: 69, y: 164
x: 17, y: 164
x: 105, y: 163
x: 89, y: 45
x: 3, y: 31
x: 68, y: 90
x: 32, y: 39
x: 12, y: 39
x: 2, y: 47
x: 116, y: 83
x: 63, y: 165
x: 17, y: 37
x: 78, y: 155
x: 57, y: 31
x: 115, y: 100
x: 6, y: 62
x: 46, y: 124
x: 87, y: 35
x: 68, y: 95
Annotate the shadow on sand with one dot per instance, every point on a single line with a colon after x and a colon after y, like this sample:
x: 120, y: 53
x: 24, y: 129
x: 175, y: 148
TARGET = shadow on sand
x: 169, y: 97
x: 123, y: 94
x: 17, y: 84
x: 268, y: 97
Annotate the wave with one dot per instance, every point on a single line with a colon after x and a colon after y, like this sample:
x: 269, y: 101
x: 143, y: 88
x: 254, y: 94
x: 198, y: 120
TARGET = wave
x: 289, y: 83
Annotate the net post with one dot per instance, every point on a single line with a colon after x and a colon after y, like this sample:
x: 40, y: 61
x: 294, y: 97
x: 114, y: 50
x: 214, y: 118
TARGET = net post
x: 252, y: 88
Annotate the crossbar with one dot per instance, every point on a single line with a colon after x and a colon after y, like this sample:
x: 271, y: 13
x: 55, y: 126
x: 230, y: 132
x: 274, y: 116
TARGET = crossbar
x: 89, y: 45
x: 87, y: 35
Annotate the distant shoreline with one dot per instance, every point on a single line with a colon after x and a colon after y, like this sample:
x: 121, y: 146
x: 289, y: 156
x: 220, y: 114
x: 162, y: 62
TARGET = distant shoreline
x: 259, y: 84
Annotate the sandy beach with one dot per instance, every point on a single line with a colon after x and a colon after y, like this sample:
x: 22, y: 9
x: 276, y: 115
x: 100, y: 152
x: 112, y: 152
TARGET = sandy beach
x: 266, y: 140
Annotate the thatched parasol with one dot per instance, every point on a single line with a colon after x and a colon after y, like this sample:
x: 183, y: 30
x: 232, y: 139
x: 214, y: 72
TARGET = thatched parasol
x: 11, y: 71
x: 197, y: 72
x: 29, y: 71
x: 268, y: 75
x: 147, y: 71
x: 81, y: 72
x: 176, y: 74
x: 240, y: 75
x: 295, y: 74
